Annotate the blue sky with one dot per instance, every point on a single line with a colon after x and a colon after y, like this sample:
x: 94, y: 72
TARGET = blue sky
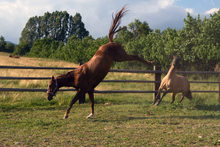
x: 199, y: 6
x: 97, y: 14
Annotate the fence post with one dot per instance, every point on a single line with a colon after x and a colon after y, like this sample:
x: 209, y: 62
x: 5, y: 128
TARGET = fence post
x: 219, y: 88
x: 82, y: 99
x: 157, y: 77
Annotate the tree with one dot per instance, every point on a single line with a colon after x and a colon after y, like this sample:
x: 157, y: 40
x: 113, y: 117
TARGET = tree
x: 78, y: 27
x: 10, y: 47
x: 22, y: 48
x: 2, y: 44
x: 139, y: 28
x: 124, y: 34
x: 58, y: 26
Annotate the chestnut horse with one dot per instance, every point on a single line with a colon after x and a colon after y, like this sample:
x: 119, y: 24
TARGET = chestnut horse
x: 174, y: 83
x: 14, y: 56
x: 87, y: 76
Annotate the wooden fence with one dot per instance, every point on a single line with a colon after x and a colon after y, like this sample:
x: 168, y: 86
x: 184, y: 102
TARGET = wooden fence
x: 157, y: 79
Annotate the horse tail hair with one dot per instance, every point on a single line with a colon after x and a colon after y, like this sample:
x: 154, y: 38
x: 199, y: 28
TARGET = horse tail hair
x: 116, y: 22
x: 189, y: 95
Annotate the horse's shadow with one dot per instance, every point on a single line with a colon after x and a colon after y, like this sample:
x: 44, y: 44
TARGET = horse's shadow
x: 127, y: 118
x: 11, y: 108
x: 213, y: 107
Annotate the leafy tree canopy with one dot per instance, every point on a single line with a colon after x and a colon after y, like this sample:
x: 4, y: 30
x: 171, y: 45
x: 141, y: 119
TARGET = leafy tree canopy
x: 197, y: 44
x: 58, y: 26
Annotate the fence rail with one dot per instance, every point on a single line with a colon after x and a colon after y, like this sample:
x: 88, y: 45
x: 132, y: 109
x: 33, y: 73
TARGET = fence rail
x: 115, y: 81
x: 157, y: 74
x: 113, y: 70
x: 95, y: 91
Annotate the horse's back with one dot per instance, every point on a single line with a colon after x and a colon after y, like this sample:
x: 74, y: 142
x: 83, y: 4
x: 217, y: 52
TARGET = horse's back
x: 175, y: 84
x: 183, y: 82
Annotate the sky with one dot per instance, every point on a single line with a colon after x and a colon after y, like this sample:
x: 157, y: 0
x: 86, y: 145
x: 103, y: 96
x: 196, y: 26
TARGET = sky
x: 97, y: 14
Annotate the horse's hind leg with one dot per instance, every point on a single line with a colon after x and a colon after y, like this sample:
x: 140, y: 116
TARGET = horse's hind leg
x: 189, y: 95
x: 173, y: 97
x: 182, y: 96
x: 125, y: 57
x: 79, y: 94
x: 91, y: 97
x: 135, y: 57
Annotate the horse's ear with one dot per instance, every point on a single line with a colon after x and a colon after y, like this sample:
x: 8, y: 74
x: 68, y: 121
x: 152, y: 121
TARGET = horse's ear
x: 53, y: 78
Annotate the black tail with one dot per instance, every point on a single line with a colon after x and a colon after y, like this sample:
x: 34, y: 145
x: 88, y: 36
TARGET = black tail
x: 189, y: 95
x: 115, y: 23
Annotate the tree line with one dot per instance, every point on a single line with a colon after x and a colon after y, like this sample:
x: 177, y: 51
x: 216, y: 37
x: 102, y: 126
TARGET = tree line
x: 6, y: 46
x: 197, y: 43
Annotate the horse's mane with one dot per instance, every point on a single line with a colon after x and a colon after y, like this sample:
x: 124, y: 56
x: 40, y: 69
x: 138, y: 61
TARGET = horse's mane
x: 115, y: 23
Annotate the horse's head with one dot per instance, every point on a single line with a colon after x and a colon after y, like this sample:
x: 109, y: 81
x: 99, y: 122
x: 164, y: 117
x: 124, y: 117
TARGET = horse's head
x: 52, y: 88
x: 176, y: 61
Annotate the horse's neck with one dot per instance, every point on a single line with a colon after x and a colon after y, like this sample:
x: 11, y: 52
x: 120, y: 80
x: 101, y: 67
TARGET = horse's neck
x: 65, y: 80
x: 171, y: 72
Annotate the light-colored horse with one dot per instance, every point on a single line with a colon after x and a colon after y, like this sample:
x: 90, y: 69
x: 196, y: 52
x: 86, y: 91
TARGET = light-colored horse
x: 174, y: 83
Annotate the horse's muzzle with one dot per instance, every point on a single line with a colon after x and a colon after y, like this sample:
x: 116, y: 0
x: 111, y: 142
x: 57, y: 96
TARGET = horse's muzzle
x: 50, y: 97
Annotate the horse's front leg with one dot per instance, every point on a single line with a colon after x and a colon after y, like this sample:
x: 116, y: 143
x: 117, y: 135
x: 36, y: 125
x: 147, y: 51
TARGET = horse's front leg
x: 163, y: 96
x: 78, y: 95
x: 157, y: 96
x: 91, y: 97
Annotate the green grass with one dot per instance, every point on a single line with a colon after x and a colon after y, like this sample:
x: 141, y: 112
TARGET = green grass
x: 29, y: 119
x: 120, y: 120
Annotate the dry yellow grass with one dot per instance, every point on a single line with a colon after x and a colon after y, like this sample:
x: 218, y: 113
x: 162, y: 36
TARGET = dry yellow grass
x: 39, y: 62
x: 26, y: 61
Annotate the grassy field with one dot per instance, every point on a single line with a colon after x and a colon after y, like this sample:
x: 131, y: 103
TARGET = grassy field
x: 29, y: 119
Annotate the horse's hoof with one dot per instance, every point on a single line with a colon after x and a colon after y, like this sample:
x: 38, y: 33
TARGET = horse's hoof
x: 90, y: 115
x: 158, y: 104
x: 65, y: 117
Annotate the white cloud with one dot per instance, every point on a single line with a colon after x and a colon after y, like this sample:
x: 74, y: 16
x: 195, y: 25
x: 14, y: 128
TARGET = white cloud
x: 15, y: 14
x: 151, y: 6
x: 96, y: 14
x: 189, y: 10
x: 165, y: 3
x: 210, y: 2
x: 212, y: 11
